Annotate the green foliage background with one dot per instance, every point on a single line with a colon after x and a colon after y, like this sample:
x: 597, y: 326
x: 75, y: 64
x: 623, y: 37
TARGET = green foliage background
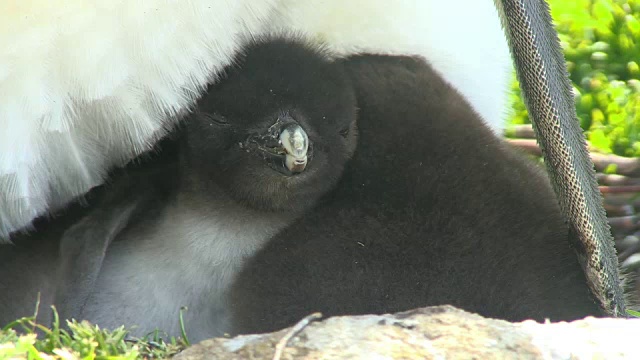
x: 601, y: 42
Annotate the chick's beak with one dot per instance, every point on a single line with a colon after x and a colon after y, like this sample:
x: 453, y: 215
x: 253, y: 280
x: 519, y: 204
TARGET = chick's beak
x: 295, y: 142
x: 285, y: 146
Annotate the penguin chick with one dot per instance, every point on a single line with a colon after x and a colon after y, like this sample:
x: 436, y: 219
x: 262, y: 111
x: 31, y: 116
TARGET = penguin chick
x: 264, y: 143
x: 433, y: 209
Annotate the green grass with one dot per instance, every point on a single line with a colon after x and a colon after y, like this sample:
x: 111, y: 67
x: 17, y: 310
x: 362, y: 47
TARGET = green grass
x: 82, y: 340
x: 601, y: 42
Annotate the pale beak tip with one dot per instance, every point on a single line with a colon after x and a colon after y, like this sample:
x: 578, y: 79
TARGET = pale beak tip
x: 295, y: 165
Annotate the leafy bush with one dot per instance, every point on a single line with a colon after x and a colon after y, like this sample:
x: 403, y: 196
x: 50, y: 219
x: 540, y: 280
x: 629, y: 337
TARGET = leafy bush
x: 600, y: 39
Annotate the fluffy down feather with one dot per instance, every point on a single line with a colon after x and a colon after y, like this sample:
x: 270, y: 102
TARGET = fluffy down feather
x: 85, y: 87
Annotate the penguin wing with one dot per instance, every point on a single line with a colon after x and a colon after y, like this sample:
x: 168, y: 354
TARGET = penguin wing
x: 84, y: 246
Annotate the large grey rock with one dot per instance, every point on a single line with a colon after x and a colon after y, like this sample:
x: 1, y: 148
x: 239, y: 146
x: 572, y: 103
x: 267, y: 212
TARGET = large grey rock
x: 441, y: 332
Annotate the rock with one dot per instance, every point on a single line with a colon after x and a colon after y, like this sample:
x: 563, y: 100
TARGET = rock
x: 441, y: 332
